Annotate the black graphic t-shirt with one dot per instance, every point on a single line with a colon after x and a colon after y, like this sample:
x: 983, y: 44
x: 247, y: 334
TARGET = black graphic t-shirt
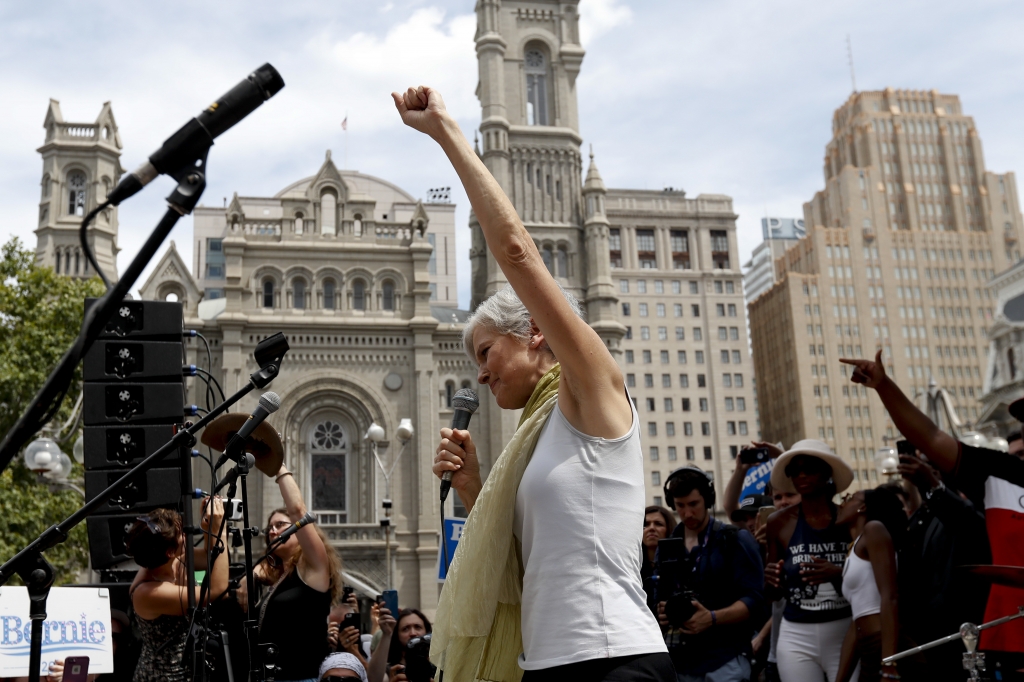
x: 806, y: 603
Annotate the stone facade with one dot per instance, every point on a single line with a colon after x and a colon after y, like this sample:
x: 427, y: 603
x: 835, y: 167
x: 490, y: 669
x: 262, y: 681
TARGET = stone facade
x: 81, y: 164
x: 900, y: 245
x: 1004, y: 375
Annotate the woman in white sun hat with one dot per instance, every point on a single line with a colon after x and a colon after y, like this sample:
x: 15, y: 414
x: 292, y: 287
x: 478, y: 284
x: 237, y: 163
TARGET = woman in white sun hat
x: 806, y: 551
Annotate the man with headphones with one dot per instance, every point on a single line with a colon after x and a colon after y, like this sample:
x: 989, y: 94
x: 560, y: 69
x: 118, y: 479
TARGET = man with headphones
x: 720, y: 577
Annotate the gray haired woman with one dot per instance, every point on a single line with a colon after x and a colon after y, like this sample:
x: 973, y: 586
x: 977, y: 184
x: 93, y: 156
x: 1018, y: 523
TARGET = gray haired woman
x: 568, y: 489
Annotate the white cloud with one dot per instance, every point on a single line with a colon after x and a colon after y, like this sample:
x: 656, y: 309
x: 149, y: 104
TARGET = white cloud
x: 598, y: 17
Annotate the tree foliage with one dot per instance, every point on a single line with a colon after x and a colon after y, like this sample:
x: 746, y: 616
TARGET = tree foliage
x: 40, y: 316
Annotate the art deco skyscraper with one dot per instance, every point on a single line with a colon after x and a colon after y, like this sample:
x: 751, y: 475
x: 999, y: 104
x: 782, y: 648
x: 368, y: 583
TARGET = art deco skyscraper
x: 899, y: 246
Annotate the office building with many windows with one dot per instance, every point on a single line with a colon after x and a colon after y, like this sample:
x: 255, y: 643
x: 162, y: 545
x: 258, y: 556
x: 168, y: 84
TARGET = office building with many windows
x: 900, y: 246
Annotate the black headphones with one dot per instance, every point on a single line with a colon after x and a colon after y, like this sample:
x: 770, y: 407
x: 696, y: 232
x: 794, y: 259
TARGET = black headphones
x: 705, y: 485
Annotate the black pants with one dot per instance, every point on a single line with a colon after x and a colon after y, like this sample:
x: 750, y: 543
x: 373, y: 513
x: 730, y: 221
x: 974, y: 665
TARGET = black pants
x: 642, y: 668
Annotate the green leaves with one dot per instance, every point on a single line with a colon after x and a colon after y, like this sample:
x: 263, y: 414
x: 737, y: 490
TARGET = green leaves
x: 40, y: 316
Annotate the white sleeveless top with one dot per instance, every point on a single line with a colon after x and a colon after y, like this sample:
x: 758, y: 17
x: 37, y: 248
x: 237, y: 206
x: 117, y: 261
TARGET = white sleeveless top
x: 859, y: 586
x: 579, y: 517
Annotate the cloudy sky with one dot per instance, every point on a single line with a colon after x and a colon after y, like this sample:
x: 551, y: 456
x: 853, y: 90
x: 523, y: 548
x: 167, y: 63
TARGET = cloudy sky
x: 731, y: 97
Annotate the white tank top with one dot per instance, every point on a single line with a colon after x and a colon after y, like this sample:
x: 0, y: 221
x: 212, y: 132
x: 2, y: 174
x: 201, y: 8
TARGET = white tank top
x: 579, y: 516
x: 859, y: 586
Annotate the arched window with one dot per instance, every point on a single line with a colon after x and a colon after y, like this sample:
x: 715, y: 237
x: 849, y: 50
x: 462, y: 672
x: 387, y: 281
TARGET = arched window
x: 548, y: 258
x: 56, y: 267
x: 298, y: 223
x: 329, y: 213
x: 357, y: 225
x: 449, y: 393
x: 536, y: 88
x: 561, y: 263
x: 358, y: 295
x: 67, y: 262
x: 298, y: 293
x: 268, y: 293
x: 46, y: 185
x: 328, y: 448
x: 329, y: 294
x: 388, y: 295
x: 78, y: 260
x: 76, y: 193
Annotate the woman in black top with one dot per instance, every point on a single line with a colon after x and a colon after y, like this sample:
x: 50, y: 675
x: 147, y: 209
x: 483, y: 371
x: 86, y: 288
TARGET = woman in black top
x: 304, y: 575
x: 806, y: 550
x: 159, y: 594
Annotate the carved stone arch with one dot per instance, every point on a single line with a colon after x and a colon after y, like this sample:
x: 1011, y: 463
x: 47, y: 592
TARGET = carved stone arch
x: 264, y: 271
x: 164, y: 289
x: 69, y: 171
x: 298, y: 287
x: 390, y: 273
x: 389, y: 288
x: 260, y: 276
x: 352, y: 278
x: 334, y: 392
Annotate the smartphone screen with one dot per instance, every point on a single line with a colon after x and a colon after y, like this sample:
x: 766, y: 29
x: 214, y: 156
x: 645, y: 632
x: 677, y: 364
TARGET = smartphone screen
x: 390, y: 599
x: 76, y: 669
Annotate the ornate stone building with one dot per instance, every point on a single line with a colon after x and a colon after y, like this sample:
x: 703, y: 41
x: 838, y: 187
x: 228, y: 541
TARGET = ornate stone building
x: 1004, y: 373
x: 360, y: 276
x: 81, y: 164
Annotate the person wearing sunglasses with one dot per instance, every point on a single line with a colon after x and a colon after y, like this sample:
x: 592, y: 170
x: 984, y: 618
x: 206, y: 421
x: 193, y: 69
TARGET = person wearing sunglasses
x: 806, y: 551
x: 159, y: 592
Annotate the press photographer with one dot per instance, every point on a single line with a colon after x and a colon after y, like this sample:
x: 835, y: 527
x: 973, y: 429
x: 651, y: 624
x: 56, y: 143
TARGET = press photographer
x: 710, y: 585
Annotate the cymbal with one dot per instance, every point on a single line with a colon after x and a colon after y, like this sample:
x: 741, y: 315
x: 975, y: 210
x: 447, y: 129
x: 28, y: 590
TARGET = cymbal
x: 1010, y: 576
x: 264, y: 444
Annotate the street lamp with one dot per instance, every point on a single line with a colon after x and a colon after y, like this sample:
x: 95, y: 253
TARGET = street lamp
x: 375, y: 434
x: 44, y: 457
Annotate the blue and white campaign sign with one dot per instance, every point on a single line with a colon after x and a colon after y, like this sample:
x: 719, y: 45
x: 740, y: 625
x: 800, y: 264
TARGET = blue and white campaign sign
x: 757, y: 478
x: 77, y: 624
x: 452, y: 534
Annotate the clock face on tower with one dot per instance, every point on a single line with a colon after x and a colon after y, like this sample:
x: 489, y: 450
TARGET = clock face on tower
x: 76, y: 181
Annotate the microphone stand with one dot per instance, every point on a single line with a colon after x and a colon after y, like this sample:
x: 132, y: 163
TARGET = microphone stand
x: 244, y: 462
x: 38, y: 573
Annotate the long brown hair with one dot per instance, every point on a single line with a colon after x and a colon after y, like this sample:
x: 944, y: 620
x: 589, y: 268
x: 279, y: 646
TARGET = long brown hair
x: 275, y: 568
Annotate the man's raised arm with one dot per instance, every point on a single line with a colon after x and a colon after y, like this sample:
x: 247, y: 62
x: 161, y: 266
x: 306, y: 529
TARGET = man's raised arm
x: 940, y: 447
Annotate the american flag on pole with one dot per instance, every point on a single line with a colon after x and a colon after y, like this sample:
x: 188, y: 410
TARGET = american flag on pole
x: 344, y: 123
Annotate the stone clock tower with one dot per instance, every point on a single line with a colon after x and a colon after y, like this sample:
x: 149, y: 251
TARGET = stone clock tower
x: 81, y: 164
x: 529, y: 55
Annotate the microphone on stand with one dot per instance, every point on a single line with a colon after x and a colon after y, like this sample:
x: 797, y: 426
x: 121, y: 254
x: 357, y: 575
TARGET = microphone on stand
x: 291, y: 530
x: 268, y: 405
x: 465, y: 403
x: 198, y: 134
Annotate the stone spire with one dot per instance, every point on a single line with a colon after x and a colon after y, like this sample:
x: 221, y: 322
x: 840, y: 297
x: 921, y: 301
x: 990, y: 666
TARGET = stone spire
x: 594, y: 183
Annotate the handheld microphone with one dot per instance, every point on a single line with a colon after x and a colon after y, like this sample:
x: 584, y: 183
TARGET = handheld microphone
x: 192, y: 138
x: 291, y: 530
x: 465, y: 403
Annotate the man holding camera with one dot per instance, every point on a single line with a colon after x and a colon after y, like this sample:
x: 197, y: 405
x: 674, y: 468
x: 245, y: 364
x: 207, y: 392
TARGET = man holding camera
x: 710, y: 585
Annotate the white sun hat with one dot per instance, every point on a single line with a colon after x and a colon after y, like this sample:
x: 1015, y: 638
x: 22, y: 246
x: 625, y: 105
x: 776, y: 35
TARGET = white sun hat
x: 842, y: 474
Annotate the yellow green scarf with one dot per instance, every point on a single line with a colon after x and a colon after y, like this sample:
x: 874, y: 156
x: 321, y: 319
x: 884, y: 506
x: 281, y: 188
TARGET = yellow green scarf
x: 476, y: 634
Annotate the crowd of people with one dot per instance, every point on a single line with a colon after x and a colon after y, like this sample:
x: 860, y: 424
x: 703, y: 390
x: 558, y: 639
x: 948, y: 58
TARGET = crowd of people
x: 813, y: 582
